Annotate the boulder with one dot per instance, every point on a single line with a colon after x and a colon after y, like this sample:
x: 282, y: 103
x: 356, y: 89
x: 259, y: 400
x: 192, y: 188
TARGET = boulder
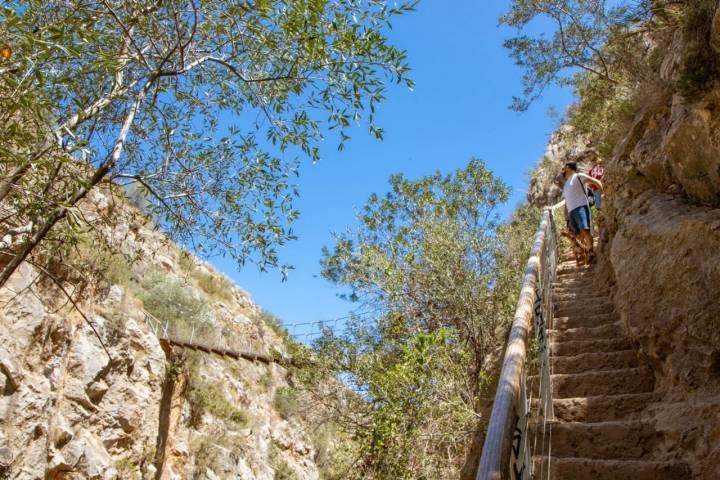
x: 6, y: 459
x: 12, y: 372
x: 114, y: 296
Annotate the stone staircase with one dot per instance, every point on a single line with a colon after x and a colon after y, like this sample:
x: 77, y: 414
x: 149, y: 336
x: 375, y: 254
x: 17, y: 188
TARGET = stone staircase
x: 602, y: 429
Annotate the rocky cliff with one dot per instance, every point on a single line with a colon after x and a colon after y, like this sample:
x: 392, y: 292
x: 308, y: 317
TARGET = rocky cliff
x: 565, y: 145
x: 660, y: 250
x: 124, y: 405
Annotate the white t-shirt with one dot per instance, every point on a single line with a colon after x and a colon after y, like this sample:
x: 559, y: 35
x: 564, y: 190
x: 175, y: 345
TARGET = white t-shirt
x: 573, y: 193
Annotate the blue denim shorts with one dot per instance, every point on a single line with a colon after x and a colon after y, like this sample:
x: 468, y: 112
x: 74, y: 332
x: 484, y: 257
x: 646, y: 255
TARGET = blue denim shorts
x: 579, y: 219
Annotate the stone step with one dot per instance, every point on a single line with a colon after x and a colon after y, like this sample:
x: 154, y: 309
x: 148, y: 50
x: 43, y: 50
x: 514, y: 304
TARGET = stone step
x: 576, y: 347
x: 570, y: 262
x: 566, y: 268
x: 580, y: 286
x: 604, y: 382
x: 574, y: 296
x: 563, y: 275
x: 603, y: 408
x: 579, y: 308
x: 566, y: 302
x: 586, y: 362
x: 580, y: 289
x: 561, y: 322
x: 600, y: 332
x: 568, y: 259
x: 566, y: 281
x: 594, y: 469
x: 576, y: 279
x: 629, y: 440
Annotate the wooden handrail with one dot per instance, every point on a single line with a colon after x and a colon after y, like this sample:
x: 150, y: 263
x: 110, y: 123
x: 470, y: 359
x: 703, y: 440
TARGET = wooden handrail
x: 494, y: 462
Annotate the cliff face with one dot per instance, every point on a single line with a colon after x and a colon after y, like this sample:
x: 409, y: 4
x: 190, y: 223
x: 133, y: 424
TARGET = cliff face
x: 71, y: 409
x: 660, y: 249
x: 565, y: 145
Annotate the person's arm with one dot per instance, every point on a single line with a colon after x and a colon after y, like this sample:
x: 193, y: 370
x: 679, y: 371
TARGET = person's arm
x: 591, y: 181
x: 561, y: 203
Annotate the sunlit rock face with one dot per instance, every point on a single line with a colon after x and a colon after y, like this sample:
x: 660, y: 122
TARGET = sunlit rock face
x: 565, y: 146
x: 660, y: 249
x: 74, y: 407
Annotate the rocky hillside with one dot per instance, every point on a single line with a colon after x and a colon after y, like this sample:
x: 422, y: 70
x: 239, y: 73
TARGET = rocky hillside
x: 123, y: 405
x: 565, y: 145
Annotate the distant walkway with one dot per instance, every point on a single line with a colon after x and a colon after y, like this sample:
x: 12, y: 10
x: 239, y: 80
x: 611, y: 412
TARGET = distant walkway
x: 161, y: 331
x: 225, y: 352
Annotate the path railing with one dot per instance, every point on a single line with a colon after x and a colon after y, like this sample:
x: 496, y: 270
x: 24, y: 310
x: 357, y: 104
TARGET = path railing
x: 517, y: 443
x: 221, y: 342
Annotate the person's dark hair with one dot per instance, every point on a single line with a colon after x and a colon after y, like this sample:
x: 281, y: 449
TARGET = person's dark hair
x: 572, y: 166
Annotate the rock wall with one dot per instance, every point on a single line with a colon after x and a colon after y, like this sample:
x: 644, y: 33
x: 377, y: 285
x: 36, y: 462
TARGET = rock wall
x: 660, y: 250
x: 565, y: 145
x: 71, y: 409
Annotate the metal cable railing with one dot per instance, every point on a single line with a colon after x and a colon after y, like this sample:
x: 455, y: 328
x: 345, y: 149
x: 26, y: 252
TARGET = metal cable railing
x: 221, y: 341
x: 508, y: 451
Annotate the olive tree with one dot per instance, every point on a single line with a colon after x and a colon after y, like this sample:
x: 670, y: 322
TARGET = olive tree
x: 203, y: 106
x: 588, y: 37
x: 435, y: 275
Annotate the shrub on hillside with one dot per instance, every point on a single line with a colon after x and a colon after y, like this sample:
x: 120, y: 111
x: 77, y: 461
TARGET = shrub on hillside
x: 267, y: 380
x: 333, y: 452
x: 115, y: 326
x: 216, y: 286
x: 273, y: 322
x: 286, y: 402
x: 176, y: 302
x: 209, y: 397
x: 701, y: 63
x: 283, y: 471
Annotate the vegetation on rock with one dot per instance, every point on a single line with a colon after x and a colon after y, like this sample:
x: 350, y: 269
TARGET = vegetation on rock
x: 129, y: 95
x: 439, y: 277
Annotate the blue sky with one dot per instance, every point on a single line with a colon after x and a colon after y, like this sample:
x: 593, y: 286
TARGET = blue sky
x: 458, y: 110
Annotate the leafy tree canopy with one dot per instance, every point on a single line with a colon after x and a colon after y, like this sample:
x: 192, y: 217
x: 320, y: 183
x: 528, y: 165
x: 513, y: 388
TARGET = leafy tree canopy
x: 434, y: 275
x: 589, y: 36
x: 191, y: 102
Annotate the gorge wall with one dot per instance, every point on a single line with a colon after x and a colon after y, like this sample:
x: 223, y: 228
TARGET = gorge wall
x: 661, y: 250
x: 71, y: 409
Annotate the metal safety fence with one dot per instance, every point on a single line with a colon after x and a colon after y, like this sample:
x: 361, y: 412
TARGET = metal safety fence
x: 518, y: 439
x: 222, y: 341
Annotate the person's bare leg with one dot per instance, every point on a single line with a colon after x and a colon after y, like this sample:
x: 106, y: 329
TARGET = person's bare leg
x: 587, y: 242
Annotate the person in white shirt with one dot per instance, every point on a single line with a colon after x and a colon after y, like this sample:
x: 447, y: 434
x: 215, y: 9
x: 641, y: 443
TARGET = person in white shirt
x: 577, y: 210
